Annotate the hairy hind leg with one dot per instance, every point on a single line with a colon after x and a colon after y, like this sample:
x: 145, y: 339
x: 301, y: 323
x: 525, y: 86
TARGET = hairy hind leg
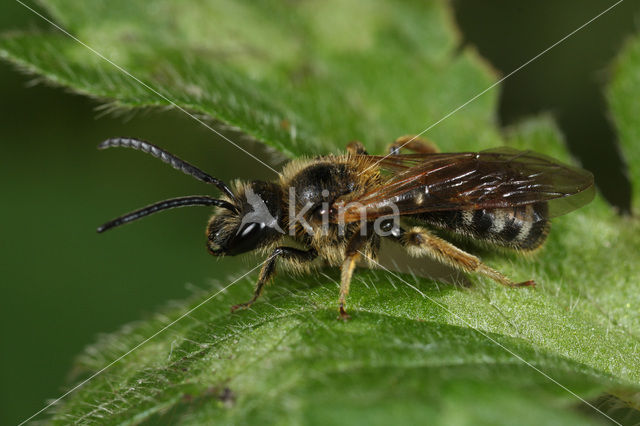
x: 420, y: 242
x: 413, y: 143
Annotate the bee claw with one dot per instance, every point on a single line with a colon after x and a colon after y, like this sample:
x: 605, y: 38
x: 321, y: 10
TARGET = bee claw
x: 530, y: 283
x: 240, y: 306
x: 344, y: 316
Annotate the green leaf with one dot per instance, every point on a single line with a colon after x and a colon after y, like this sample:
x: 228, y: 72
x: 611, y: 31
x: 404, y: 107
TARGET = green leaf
x: 289, y: 360
x: 305, y: 78
x: 625, y: 106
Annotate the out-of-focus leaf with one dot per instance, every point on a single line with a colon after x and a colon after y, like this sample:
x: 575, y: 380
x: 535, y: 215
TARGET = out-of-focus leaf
x: 303, y: 77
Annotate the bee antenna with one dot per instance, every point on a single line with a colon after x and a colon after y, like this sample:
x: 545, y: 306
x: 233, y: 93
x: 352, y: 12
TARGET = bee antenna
x: 168, y: 158
x: 194, y: 200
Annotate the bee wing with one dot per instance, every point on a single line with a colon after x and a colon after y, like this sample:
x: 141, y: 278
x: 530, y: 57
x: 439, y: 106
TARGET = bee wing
x: 495, y: 178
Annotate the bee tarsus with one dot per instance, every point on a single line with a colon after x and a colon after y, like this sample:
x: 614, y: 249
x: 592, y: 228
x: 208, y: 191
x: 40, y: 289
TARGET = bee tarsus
x: 412, y: 143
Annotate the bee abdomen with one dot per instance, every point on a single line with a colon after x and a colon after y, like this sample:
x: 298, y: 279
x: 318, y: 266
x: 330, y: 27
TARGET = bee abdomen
x: 520, y: 227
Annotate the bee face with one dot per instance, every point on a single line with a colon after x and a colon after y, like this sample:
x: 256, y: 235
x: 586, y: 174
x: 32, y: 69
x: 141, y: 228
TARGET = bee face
x: 253, y: 224
x: 220, y: 231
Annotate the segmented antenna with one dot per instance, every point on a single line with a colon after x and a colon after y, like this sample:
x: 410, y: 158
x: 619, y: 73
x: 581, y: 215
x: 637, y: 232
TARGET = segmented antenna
x: 194, y: 200
x: 168, y: 158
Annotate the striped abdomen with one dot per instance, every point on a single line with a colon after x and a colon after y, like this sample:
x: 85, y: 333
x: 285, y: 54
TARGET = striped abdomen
x: 521, y: 227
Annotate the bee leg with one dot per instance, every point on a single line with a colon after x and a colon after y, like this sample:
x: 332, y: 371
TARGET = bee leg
x: 420, y: 242
x: 356, y: 148
x: 413, y: 143
x: 269, y: 269
x: 352, y: 254
x: 346, y: 273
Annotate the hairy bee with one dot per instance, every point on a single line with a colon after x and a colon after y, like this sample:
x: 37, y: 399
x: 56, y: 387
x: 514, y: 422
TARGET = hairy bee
x: 334, y: 210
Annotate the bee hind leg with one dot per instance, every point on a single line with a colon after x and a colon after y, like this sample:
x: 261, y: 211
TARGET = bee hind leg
x: 268, y: 270
x: 413, y: 143
x: 420, y: 242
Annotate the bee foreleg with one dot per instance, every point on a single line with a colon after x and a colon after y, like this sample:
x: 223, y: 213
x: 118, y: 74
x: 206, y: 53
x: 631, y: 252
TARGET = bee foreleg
x: 268, y: 270
x: 413, y: 143
x: 352, y: 254
x: 420, y: 242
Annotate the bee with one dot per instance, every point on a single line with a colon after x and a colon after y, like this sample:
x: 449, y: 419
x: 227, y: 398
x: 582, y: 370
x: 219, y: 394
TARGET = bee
x: 335, y: 210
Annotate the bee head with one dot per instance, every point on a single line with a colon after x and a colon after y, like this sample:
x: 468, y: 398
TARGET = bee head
x: 253, y: 223
x: 245, y: 219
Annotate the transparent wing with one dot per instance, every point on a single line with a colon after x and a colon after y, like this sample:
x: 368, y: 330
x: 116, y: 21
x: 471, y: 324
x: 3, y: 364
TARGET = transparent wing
x: 495, y: 178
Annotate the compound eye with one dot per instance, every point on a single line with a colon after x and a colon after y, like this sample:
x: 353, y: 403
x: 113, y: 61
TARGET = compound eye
x: 249, y: 229
x: 247, y: 238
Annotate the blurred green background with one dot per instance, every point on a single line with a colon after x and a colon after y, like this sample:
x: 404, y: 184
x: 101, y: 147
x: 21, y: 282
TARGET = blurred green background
x: 63, y: 284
